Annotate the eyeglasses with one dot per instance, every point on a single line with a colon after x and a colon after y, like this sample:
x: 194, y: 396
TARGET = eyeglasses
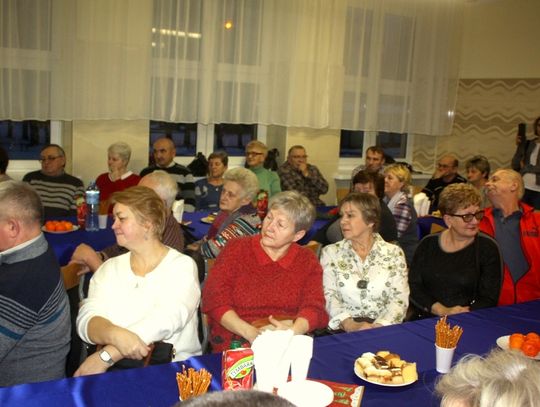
x: 299, y: 156
x: 467, y: 217
x: 444, y: 166
x: 253, y: 153
x: 49, y: 158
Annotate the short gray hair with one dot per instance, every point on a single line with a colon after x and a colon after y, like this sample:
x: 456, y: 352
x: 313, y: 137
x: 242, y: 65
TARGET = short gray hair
x: 246, y: 179
x: 297, y: 207
x: 515, y: 177
x: 18, y: 200
x: 123, y: 150
x: 164, y: 185
x: 502, y: 379
x: 259, y: 144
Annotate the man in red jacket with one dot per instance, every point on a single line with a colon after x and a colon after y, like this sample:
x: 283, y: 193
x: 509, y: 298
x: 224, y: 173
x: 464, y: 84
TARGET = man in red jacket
x: 516, y: 227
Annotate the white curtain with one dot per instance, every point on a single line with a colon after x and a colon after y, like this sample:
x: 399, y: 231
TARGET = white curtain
x: 389, y: 65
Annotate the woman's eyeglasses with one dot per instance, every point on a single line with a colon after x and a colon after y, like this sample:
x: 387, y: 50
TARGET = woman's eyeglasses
x: 467, y: 217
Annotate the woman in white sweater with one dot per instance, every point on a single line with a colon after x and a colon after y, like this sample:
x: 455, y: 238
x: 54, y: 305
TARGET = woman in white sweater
x: 147, y: 295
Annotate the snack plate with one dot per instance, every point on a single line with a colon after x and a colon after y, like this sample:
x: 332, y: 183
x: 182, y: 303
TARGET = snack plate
x: 502, y: 342
x: 60, y: 232
x: 359, y: 374
x: 307, y: 393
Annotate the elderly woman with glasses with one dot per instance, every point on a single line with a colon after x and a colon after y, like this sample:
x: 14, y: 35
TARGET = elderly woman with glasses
x: 266, y: 276
x: 118, y: 177
x: 458, y: 270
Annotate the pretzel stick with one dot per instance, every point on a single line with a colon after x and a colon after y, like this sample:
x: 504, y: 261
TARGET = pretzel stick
x: 192, y: 383
x: 446, y: 337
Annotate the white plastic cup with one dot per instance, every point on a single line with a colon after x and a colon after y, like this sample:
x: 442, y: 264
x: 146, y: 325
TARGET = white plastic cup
x: 301, y: 353
x: 103, y: 221
x: 443, y: 357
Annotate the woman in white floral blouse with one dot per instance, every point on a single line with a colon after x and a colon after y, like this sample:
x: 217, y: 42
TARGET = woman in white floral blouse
x: 365, y: 278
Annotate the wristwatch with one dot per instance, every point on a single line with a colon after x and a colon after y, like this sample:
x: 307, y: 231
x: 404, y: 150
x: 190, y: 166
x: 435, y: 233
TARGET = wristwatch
x: 106, y: 357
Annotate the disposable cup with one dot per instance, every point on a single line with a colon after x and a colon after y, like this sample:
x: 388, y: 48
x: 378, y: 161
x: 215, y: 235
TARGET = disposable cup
x: 103, y: 221
x: 302, y: 351
x: 443, y: 357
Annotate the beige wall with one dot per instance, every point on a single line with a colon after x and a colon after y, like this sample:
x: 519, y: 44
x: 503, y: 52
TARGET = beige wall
x: 90, y: 140
x: 500, y: 39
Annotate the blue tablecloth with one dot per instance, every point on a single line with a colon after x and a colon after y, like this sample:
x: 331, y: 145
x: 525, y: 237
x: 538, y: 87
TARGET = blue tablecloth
x: 333, y: 359
x: 64, y: 244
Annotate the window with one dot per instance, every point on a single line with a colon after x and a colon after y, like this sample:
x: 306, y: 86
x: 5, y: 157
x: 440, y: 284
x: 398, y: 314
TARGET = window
x: 24, y: 140
x: 184, y: 136
x: 354, y: 142
x: 233, y: 138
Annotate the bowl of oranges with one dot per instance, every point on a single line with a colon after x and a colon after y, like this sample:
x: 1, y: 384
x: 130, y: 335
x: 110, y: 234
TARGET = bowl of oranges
x: 528, y: 344
x: 59, y: 226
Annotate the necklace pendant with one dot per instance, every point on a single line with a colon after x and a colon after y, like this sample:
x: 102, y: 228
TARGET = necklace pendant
x: 362, y: 284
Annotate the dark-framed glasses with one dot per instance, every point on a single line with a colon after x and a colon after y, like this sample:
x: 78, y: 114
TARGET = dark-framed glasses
x: 253, y: 153
x: 467, y: 217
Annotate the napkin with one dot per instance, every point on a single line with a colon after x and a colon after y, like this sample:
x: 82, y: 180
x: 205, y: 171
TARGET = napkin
x: 178, y: 210
x: 421, y: 204
x: 272, y: 358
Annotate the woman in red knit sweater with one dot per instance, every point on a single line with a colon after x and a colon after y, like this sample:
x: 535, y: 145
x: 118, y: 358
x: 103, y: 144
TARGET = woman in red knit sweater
x: 119, y: 177
x: 267, y: 275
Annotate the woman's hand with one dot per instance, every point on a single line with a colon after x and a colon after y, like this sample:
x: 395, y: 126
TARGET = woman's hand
x: 350, y: 325
x: 251, y: 333
x: 92, y: 365
x: 440, y: 310
x: 86, y: 256
x: 129, y: 344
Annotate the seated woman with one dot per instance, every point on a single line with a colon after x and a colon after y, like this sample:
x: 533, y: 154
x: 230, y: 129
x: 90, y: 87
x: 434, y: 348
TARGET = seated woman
x: 237, y: 216
x: 208, y: 190
x: 118, y: 178
x: 149, y: 294
x: 365, y: 278
x: 457, y: 270
x: 275, y: 277
x: 397, y: 179
x: 370, y: 183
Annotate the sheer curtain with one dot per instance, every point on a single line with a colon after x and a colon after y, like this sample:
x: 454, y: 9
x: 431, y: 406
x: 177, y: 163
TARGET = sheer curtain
x: 388, y: 65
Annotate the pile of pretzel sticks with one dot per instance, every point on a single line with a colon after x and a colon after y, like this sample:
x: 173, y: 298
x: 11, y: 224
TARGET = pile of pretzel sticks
x: 192, y: 383
x: 446, y: 337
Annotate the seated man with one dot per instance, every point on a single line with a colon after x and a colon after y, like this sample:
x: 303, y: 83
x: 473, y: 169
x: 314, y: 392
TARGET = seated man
x: 445, y: 174
x: 375, y: 160
x: 34, y: 321
x: 165, y: 186
x: 164, y: 153
x: 56, y: 188
x: 297, y: 175
x: 516, y: 227
x: 4, y: 161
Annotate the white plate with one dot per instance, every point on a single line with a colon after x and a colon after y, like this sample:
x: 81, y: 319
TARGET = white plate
x: 361, y: 376
x: 502, y: 342
x: 60, y: 232
x: 307, y: 393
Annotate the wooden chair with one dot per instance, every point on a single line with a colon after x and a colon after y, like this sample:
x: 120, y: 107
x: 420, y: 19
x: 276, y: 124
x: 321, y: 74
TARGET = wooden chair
x: 315, y: 247
x: 70, y: 276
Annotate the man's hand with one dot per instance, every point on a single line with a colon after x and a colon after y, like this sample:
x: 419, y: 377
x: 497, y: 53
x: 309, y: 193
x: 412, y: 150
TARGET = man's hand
x: 87, y: 256
x: 303, y: 168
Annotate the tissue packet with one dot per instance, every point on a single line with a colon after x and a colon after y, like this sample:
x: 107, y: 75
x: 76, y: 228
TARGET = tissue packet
x: 237, y: 369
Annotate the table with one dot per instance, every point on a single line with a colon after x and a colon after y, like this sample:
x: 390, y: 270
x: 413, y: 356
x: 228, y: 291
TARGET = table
x: 64, y: 244
x: 333, y: 359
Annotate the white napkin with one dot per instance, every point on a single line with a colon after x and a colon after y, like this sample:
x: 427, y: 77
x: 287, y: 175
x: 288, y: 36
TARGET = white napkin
x: 421, y: 204
x: 178, y: 210
x: 272, y: 358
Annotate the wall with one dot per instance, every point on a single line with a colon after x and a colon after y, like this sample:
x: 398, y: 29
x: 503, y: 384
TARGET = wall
x: 500, y: 85
x: 90, y: 140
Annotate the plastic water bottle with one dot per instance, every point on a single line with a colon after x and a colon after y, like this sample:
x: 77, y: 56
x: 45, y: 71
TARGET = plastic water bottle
x: 92, y: 207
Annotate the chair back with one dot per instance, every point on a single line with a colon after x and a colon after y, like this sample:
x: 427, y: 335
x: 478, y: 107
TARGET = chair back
x: 70, y: 276
x: 315, y: 247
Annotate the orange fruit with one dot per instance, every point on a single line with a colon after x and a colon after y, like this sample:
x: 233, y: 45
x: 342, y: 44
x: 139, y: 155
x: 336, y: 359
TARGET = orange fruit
x: 60, y: 227
x: 67, y: 225
x: 515, y: 341
x: 49, y: 225
x: 530, y: 348
x: 532, y: 336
